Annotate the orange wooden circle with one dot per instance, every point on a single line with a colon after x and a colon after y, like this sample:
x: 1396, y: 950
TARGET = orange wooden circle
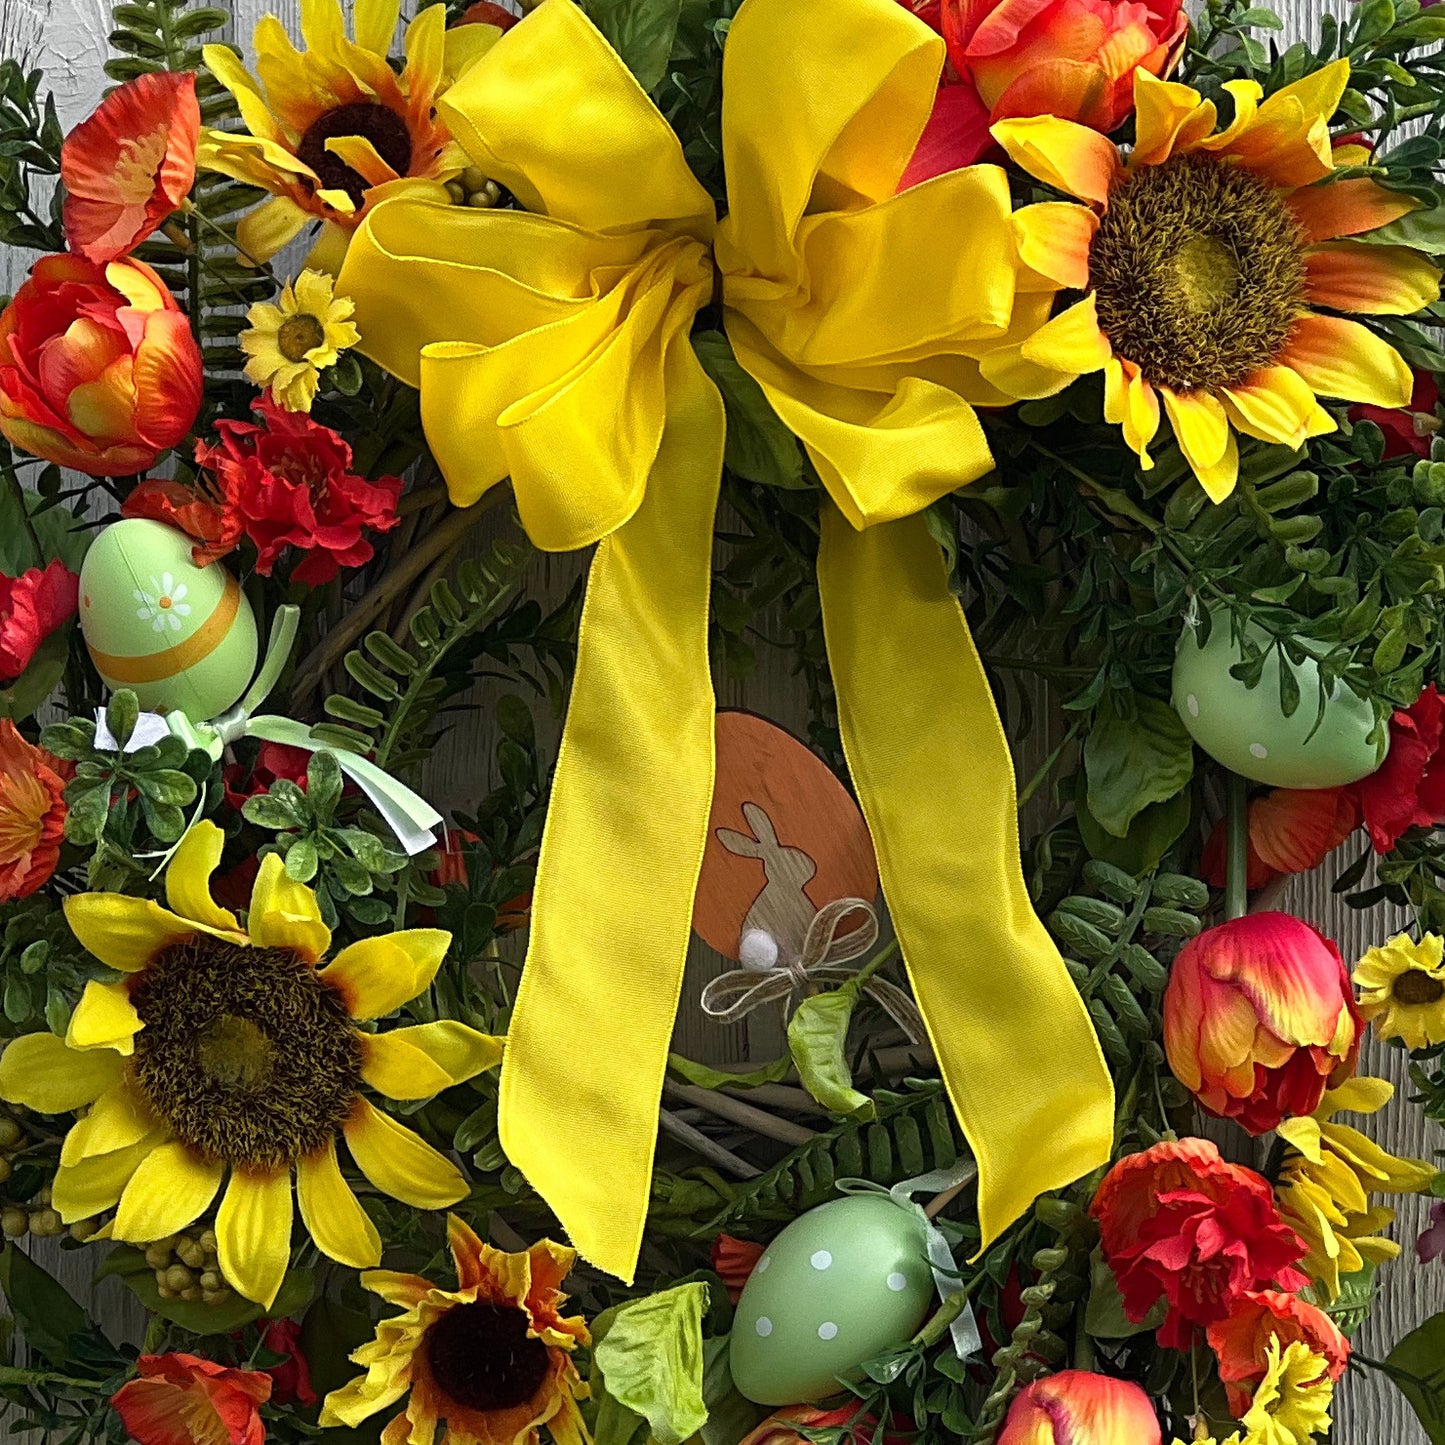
x: 759, y: 762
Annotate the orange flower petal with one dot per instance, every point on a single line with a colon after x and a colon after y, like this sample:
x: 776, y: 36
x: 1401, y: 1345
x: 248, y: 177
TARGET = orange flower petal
x: 1372, y: 280
x: 1062, y: 154
x: 1294, y: 830
x: 1344, y: 359
x: 1348, y: 208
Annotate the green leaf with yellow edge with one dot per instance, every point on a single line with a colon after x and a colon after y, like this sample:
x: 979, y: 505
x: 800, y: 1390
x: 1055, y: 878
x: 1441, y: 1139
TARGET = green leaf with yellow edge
x: 650, y: 1357
x: 817, y: 1039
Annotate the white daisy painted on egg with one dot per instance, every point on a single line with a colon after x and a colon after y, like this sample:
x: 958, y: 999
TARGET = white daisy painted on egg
x: 164, y: 605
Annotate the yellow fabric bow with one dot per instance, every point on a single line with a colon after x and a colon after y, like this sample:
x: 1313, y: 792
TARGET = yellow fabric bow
x: 553, y: 346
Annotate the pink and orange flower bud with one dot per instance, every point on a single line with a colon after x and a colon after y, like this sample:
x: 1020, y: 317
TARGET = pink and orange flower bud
x: 98, y: 367
x: 1077, y: 1408
x: 1259, y: 1016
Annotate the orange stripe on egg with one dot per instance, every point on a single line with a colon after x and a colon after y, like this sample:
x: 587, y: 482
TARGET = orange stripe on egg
x: 157, y: 666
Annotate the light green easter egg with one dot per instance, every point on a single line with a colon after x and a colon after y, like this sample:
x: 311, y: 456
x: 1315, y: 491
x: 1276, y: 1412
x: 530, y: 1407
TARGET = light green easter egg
x: 1246, y: 729
x: 840, y: 1284
x: 182, y: 637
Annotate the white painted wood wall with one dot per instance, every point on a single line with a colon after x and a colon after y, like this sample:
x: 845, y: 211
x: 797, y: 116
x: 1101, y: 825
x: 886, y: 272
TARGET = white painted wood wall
x: 67, y: 38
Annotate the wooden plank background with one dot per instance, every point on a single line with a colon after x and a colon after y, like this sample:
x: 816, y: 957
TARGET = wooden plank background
x: 67, y: 37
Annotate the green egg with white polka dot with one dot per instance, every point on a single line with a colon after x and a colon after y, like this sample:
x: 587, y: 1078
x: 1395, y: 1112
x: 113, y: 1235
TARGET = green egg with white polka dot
x: 1246, y: 729
x: 841, y: 1284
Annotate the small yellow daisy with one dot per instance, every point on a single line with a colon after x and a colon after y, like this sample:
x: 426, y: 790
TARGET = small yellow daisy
x: 1402, y: 988
x: 289, y: 344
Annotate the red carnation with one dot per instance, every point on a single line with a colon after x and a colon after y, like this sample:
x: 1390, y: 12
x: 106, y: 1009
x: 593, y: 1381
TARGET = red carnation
x: 289, y: 483
x: 32, y: 606
x: 1408, y: 790
x: 189, y: 509
x: 733, y: 1261
x: 273, y: 761
x: 1177, y: 1221
x: 1242, y: 1340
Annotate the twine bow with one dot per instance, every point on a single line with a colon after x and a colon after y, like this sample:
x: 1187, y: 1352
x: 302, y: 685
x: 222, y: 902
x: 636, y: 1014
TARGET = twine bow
x: 552, y: 345
x: 734, y: 995
x: 409, y: 816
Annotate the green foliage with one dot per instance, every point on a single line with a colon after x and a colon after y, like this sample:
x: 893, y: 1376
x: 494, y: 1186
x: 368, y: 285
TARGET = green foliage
x: 1138, y: 752
x: 30, y: 138
x: 43, y: 970
x: 344, y: 863
x: 408, y: 683
x: 640, y: 31
x: 1417, y: 1366
x: 648, y: 1356
x: 129, y: 807
x: 690, y: 95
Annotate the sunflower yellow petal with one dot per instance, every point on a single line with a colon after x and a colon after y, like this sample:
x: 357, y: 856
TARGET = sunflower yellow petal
x: 105, y: 1018
x: 1201, y: 427
x: 1359, y: 1095
x: 188, y: 878
x: 1275, y: 405
x: 363, y: 157
x: 94, y: 1184
x: 426, y: 50
x: 272, y: 225
x: 285, y: 914
x: 125, y: 933
x: 225, y: 65
x: 1169, y: 117
x: 1318, y: 94
x: 172, y: 1188
x: 464, y: 45
x: 1351, y: 207
x: 464, y: 1052
x: 331, y: 1212
x: 330, y: 247
x: 1071, y: 342
x: 373, y: 22
x: 398, y: 1069
x: 1053, y: 238
x: 1061, y: 153
x: 1341, y: 358
x: 1133, y: 405
x: 41, y: 1072
x: 377, y: 975
x: 399, y: 1162
x: 119, y: 1119
x: 253, y: 1232
x: 1370, y: 280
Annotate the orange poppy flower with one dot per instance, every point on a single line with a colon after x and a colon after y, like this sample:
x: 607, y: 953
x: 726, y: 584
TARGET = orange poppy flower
x: 32, y: 814
x: 129, y: 166
x: 1204, y: 254
x: 183, y: 1400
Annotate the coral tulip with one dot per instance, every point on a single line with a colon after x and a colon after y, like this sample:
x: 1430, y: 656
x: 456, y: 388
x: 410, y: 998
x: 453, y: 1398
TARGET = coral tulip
x: 1077, y: 1408
x: 1258, y: 1017
x: 98, y: 367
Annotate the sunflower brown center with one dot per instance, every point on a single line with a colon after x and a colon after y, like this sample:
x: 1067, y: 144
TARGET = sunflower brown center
x: 246, y: 1053
x: 481, y: 1356
x: 1417, y: 987
x: 371, y: 120
x: 1199, y: 272
x: 298, y: 335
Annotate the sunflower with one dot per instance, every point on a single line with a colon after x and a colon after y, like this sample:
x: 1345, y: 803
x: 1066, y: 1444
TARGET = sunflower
x: 1402, y: 987
x: 290, y: 343
x: 493, y: 1357
x: 333, y: 129
x: 228, y: 1049
x: 1203, y: 256
x: 1292, y: 1404
x: 1327, y: 1179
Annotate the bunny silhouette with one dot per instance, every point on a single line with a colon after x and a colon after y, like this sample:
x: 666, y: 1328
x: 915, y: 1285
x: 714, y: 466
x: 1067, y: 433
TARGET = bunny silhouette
x: 782, y: 910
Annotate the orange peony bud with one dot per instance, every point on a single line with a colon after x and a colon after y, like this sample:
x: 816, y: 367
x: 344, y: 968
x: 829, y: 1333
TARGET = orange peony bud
x: 1077, y: 1408
x: 1255, y: 1319
x: 1258, y: 1017
x: 98, y: 367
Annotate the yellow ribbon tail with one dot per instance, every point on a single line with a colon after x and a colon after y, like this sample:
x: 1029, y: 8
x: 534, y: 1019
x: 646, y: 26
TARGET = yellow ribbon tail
x: 1014, y: 1043
x: 612, y: 915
